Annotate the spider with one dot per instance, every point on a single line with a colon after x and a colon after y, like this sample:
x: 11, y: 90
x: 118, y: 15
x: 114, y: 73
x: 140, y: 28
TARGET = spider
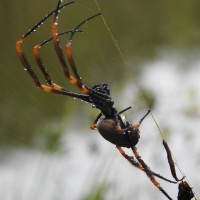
x: 113, y: 127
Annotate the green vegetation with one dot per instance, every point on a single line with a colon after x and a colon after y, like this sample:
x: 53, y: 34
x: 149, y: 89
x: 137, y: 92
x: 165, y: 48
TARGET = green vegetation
x: 142, y: 29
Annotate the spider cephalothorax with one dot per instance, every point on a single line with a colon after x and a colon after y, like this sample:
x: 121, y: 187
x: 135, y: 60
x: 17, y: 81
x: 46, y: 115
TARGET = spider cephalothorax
x: 113, y: 127
x: 101, y: 99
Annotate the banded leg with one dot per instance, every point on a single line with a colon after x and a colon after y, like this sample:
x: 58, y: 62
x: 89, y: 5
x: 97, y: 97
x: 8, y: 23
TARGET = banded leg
x: 136, y: 164
x: 22, y: 56
x: 148, y: 172
x: 41, y: 64
x: 19, y: 43
x: 145, y: 168
x: 69, y: 53
x: 77, y: 80
x: 70, y: 78
x: 54, y: 88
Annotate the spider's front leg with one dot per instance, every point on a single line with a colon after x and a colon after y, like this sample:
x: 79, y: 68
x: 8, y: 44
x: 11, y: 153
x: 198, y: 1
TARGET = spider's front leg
x: 25, y: 62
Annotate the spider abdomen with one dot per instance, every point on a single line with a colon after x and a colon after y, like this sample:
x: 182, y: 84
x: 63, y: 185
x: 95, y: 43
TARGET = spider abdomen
x: 112, y: 132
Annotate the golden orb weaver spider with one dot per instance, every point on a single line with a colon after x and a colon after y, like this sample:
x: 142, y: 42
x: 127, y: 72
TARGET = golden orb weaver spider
x: 112, y: 127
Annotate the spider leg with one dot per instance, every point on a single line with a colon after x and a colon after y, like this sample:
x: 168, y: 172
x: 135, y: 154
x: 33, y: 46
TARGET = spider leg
x: 136, y: 164
x: 57, y: 89
x: 143, y: 164
x: 41, y: 64
x: 69, y: 52
x: 148, y: 172
x: 141, y: 120
x: 171, y: 161
x: 124, y: 110
x: 59, y: 52
x: 21, y: 55
x: 94, y: 124
x: 54, y: 88
x: 185, y: 191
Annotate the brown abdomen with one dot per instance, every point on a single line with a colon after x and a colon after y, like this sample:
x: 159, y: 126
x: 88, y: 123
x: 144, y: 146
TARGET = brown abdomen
x: 110, y: 131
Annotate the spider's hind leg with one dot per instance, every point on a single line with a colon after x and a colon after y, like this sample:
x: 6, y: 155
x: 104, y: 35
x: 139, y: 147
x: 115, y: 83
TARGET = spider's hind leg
x: 148, y: 172
x: 171, y: 161
x: 136, y: 164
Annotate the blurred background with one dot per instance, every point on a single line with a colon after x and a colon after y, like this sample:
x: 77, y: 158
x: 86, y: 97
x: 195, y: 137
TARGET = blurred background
x: 47, y: 149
